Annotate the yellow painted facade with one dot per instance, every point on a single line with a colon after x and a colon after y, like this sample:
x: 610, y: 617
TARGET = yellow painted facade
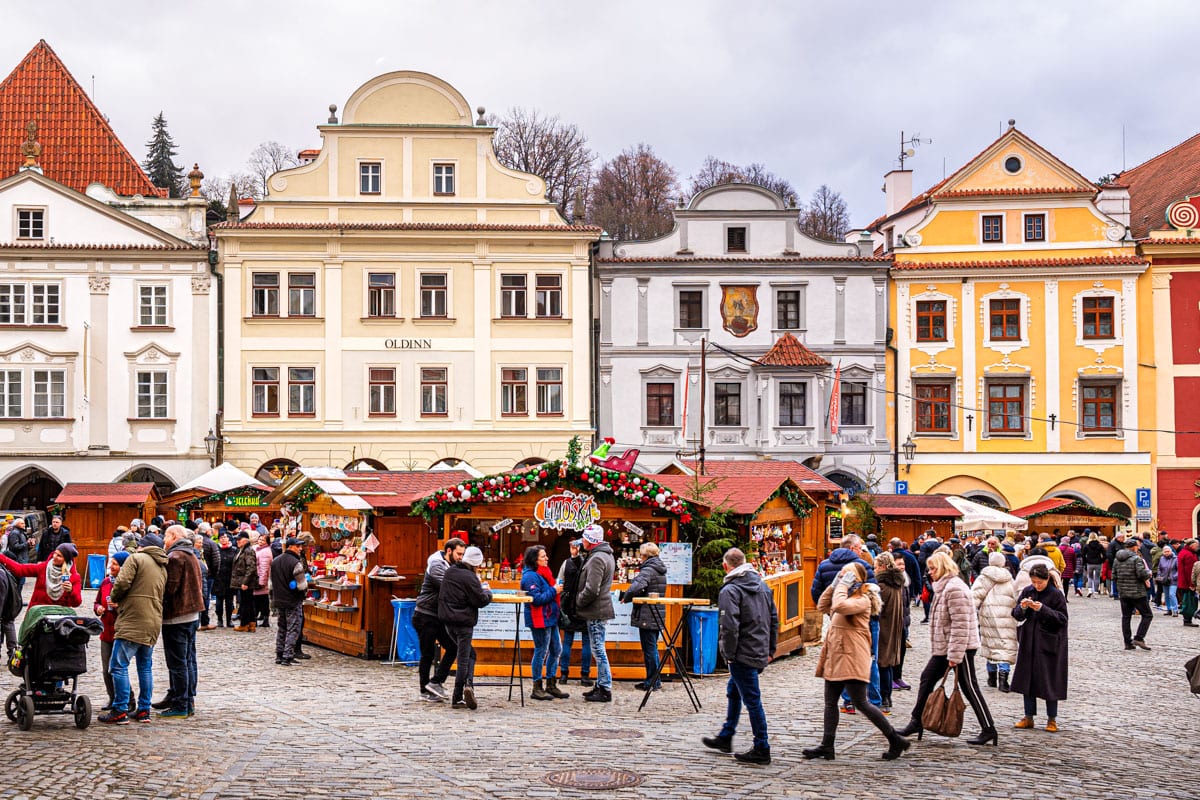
x: 410, y: 348
x: 1022, y: 334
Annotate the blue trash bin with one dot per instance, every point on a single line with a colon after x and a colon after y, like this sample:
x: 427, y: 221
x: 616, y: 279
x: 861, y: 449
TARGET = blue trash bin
x: 408, y: 646
x: 703, y: 628
x: 96, y: 570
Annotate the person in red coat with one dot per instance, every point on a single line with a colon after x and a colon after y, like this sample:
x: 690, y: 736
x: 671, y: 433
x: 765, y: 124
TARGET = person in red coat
x: 1187, y: 597
x: 56, y: 583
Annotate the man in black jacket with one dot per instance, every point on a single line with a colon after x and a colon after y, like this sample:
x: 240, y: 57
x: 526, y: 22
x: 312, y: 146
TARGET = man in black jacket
x: 430, y: 631
x: 749, y: 630
x: 459, y: 601
x: 289, y: 582
x: 52, y: 537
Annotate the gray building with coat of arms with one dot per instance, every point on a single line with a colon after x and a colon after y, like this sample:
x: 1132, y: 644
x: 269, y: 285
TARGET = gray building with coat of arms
x: 777, y: 312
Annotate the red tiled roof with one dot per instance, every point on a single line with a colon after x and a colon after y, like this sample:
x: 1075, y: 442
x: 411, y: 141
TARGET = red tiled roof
x: 399, y: 488
x: 84, y: 246
x: 807, y: 479
x: 1010, y: 263
x: 79, y: 147
x: 123, y: 493
x: 741, y: 495
x: 1189, y: 241
x: 405, y: 226
x: 736, y: 260
x: 915, y: 506
x: 1157, y: 183
x: 788, y: 351
x: 310, y: 152
x: 1062, y: 505
x: 1014, y: 192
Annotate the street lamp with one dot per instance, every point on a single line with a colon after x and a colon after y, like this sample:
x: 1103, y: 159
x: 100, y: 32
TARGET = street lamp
x: 910, y: 449
x: 210, y: 447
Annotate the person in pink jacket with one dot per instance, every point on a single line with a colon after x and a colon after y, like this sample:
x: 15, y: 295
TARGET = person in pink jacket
x: 262, y: 595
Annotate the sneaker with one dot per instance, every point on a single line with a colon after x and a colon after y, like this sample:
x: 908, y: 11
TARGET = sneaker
x: 848, y: 710
x: 287, y: 662
x: 162, y: 705
x: 436, y: 689
x: 173, y: 713
x: 469, y: 697
x: 302, y: 656
x: 429, y: 697
x: 141, y: 716
x: 459, y: 704
x: 114, y: 718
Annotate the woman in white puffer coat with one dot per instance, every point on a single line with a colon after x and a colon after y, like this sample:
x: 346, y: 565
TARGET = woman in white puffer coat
x: 995, y: 595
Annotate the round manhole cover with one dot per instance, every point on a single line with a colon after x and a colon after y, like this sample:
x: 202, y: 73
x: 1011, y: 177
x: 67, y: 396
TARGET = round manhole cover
x: 594, y: 779
x: 606, y: 733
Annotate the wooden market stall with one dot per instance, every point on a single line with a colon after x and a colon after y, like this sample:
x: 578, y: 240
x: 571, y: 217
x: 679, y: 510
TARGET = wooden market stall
x: 907, y: 516
x: 550, y: 504
x: 1057, y: 515
x: 92, y: 511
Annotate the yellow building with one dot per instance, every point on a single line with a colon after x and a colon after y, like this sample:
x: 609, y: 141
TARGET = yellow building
x: 403, y: 300
x: 1022, y: 333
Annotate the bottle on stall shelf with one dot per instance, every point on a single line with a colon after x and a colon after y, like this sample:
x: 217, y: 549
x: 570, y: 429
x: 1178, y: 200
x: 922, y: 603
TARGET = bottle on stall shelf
x: 505, y: 570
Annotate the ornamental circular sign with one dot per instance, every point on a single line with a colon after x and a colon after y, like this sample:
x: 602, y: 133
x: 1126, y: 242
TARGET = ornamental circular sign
x: 567, y: 511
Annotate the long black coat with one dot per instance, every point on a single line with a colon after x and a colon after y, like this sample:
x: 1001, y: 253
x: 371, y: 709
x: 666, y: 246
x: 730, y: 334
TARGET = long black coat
x: 1041, y: 669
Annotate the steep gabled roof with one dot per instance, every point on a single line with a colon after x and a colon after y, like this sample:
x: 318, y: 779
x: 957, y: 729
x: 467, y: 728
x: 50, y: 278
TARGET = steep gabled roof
x: 1156, y: 184
x: 121, y: 493
x: 79, y: 147
x: 788, y: 351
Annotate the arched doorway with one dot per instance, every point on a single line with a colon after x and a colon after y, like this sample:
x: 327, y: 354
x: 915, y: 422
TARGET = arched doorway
x: 1070, y: 496
x: 529, y: 462
x: 365, y: 464
x: 986, y: 499
x: 1123, y: 509
x: 851, y: 484
x: 274, y: 471
x: 162, y: 482
x: 29, y: 488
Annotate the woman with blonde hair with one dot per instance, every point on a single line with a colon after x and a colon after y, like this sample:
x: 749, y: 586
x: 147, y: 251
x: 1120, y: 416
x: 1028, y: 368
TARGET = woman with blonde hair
x: 954, y: 638
x: 845, y: 661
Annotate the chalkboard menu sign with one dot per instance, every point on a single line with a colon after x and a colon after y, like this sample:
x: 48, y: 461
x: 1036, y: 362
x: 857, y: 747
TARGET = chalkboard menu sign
x: 835, y: 527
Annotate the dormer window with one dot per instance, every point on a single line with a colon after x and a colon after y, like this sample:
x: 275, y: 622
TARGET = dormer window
x: 443, y: 179
x: 735, y: 239
x: 31, y: 223
x: 370, y: 174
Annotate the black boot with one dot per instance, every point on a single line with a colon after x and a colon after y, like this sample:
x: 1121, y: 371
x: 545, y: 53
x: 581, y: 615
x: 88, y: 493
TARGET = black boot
x: 986, y: 736
x: 897, y: 744
x: 913, y: 726
x: 992, y: 679
x: 1004, y: 682
x: 825, y: 751
x: 553, y: 690
x: 755, y: 755
x: 539, y: 692
x: 722, y: 743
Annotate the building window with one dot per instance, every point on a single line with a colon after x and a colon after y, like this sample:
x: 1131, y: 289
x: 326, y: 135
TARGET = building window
x: 266, y: 294
x: 660, y: 404
x: 152, y: 395
x: 381, y: 294
x: 787, y: 309
x: 993, y: 228
x: 549, y: 295
x: 369, y: 177
x: 1097, y: 317
x: 1004, y: 320
x: 12, y: 303
x: 513, y: 389
x: 302, y: 391
x: 549, y: 391
x: 931, y: 321
x: 1006, y: 408
x: 434, y: 391
x: 443, y: 179
x: 727, y: 404
x: 735, y: 239
x: 933, y: 406
x: 793, y: 405
x: 302, y: 294
x: 1035, y: 227
x: 691, y: 309
x: 152, y: 305
x: 433, y: 294
x: 30, y: 304
x: 50, y: 393
x: 31, y: 223
x: 512, y: 295
x: 44, y: 305
x: 1099, y: 407
x: 853, y: 403
x: 266, y: 391
x: 382, y: 391
x: 10, y: 393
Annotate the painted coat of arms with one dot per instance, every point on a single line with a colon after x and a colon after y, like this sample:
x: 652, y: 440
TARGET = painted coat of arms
x: 739, y: 309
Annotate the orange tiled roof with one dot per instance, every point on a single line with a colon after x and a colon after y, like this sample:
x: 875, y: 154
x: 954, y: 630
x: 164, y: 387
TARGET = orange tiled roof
x: 802, y: 476
x: 1015, y: 192
x: 1009, y: 263
x: 740, y: 260
x: 127, y: 493
x: 84, y: 246
x: 79, y: 147
x: 1156, y: 184
x: 788, y: 351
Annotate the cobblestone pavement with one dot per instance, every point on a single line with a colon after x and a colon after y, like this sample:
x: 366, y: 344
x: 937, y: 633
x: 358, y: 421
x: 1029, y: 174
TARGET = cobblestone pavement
x: 338, y: 727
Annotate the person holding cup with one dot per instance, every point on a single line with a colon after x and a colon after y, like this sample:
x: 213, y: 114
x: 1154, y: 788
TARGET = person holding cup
x: 56, y: 582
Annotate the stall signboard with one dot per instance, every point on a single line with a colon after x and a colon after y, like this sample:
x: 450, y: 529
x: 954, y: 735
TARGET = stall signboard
x: 567, y: 511
x: 244, y: 501
x: 678, y: 558
x: 496, y: 622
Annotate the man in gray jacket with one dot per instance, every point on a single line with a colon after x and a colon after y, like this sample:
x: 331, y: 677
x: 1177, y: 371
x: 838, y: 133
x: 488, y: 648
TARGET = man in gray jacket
x: 1131, y: 576
x: 749, y: 630
x: 594, y: 604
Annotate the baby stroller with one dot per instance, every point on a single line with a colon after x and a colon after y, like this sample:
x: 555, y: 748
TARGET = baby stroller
x: 51, y: 655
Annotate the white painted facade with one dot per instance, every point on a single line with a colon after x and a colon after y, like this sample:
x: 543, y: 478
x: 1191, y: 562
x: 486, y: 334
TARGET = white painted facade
x: 102, y: 294
x: 830, y: 296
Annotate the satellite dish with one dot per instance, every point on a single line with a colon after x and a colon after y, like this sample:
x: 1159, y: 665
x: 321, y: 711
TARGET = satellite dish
x: 910, y: 152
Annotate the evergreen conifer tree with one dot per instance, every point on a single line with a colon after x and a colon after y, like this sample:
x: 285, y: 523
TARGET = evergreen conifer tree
x: 160, y: 164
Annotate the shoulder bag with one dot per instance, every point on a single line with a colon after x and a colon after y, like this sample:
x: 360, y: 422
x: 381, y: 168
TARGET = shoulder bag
x: 943, y: 712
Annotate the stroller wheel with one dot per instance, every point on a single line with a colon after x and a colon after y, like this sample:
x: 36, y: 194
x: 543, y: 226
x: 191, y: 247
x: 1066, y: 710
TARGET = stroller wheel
x: 83, y: 712
x: 25, y: 713
x: 10, y: 705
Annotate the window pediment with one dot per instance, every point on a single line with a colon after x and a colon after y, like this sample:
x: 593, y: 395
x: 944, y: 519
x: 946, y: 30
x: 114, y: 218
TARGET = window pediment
x: 30, y: 353
x: 150, y: 355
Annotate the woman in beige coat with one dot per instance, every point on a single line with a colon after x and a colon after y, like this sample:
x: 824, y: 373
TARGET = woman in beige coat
x: 845, y: 661
x: 995, y: 596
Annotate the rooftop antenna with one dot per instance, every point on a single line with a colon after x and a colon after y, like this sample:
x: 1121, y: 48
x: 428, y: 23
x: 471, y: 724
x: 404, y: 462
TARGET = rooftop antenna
x: 1122, y: 147
x: 908, y: 146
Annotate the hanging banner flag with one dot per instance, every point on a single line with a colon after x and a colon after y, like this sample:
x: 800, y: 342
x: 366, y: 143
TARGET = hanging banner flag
x: 835, y: 400
x: 687, y: 371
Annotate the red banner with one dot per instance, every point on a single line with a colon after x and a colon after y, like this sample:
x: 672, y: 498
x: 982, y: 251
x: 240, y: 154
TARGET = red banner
x: 835, y: 400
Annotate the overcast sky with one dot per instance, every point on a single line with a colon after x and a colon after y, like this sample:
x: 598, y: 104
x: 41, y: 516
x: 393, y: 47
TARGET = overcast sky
x: 817, y: 91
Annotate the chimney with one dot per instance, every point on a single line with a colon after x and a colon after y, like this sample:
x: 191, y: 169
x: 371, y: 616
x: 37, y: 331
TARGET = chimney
x: 897, y: 188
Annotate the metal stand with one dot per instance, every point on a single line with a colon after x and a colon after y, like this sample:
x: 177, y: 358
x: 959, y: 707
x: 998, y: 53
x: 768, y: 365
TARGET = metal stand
x: 515, y: 674
x: 672, y: 654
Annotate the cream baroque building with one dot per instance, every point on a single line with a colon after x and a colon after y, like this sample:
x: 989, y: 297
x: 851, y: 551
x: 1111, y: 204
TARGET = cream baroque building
x: 404, y: 300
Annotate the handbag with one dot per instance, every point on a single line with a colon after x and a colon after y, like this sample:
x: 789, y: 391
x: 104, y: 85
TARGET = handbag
x: 943, y: 712
x: 925, y: 594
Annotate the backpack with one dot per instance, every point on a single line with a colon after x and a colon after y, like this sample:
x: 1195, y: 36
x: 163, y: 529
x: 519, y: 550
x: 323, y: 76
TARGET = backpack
x: 11, y: 601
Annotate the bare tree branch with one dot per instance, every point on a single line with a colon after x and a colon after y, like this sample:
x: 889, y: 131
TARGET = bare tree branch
x: 267, y: 159
x: 545, y: 146
x: 632, y: 195
x: 716, y: 172
x: 826, y: 216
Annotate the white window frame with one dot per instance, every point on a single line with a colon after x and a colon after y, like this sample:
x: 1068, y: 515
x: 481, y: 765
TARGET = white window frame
x: 702, y: 288
x: 50, y: 394
x: 422, y: 385
x: 45, y: 223
x: 743, y: 410
x: 1084, y: 381
x: 311, y: 385
x: 301, y: 290
x: 433, y: 176
x: 154, y: 322
x: 551, y: 292
x: 363, y: 165
x: 1099, y: 345
x: 255, y: 384
x: 802, y: 290
x: 1024, y: 312
x: 12, y: 394
x: 808, y: 402
x: 420, y: 310
x: 28, y: 291
x: 1003, y: 228
x: 1045, y: 215
x: 383, y: 292
x: 1027, y: 399
x: 504, y: 389
x: 280, y: 278
x: 505, y: 290
x: 157, y: 403
x: 383, y: 402
x: 547, y: 409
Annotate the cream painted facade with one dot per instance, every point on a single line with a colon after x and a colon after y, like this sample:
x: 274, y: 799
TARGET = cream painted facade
x: 404, y: 298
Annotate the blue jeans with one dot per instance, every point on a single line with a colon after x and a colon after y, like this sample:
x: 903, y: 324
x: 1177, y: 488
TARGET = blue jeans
x: 179, y: 650
x: 585, y: 662
x: 1031, y: 707
x: 1172, y: 597
x: 743, y: 689
x: 125, y: 651
x: 1003, y: 667
x: 547, y: 648
x: 649, y: 640
x: 873, y: 696
x: 597, y: 629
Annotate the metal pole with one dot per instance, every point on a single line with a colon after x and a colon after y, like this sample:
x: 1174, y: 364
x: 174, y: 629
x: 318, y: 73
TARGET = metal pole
x: 703, y: 395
